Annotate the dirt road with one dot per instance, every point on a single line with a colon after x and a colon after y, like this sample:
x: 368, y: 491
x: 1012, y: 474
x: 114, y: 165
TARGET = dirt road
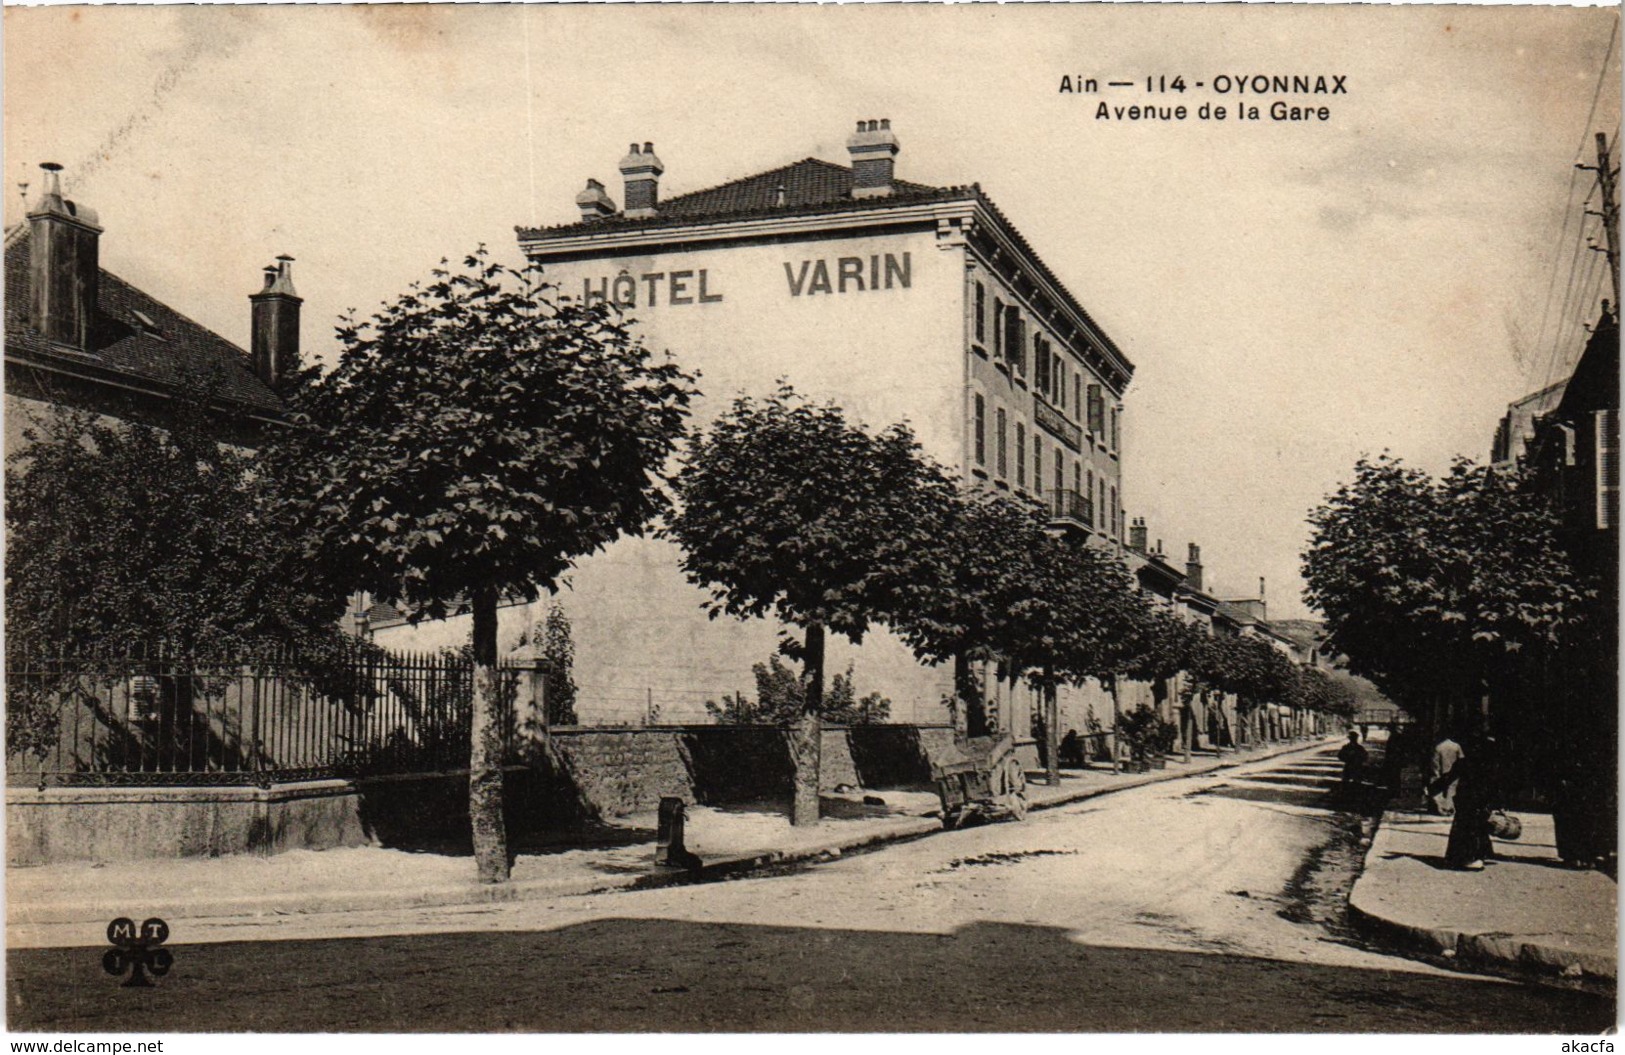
x: 1208, y: 904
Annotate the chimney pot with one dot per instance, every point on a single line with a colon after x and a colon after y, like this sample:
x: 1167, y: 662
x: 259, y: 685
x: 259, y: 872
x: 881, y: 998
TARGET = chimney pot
x: 641, y: 173
x: 64, y: 265
x: 274, y: 324
x: 874, y: 150
x: 594, y: 202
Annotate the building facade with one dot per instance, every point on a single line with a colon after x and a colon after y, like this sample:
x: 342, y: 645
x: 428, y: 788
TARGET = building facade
x: 896, y: 301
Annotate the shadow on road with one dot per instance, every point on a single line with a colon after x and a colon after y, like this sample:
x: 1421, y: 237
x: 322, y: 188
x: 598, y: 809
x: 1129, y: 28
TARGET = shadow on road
x: 632, y: 975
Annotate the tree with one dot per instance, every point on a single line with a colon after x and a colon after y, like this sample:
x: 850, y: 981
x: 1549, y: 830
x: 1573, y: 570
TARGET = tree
x: 558, y: 655
x: 970, y: 578
x: 1437, y: 589
x: 476, y: 436
x: 130, y: 542
x: 789, y: 510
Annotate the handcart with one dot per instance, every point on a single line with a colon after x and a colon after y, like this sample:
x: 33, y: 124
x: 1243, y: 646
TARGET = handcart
x: 989, y: 783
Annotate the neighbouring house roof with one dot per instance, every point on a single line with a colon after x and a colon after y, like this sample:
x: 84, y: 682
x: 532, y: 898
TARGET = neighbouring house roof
x: 134, y: 338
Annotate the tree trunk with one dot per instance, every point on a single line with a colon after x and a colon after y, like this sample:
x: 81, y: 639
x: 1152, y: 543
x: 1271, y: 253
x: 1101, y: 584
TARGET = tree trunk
x: 1117, y: 765
x: 806, y: 739
x: 1052, y: 730
x: 971, y: 719
x: 485, y: 746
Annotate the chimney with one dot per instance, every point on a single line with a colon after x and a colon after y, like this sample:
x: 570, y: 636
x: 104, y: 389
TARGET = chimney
x: 874, y: 156
x: 1137, y: 535
x: 1193, y: 568
x: 1262, y: 610
x: 275, y: 338
x: 64, y: 265
x: 594, y: 203
x: 641, y: 170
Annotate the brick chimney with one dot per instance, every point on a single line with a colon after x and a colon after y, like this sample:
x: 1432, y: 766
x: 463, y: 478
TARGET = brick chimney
x: 641, y: 170
x: 275, y: 338
x: 594, y: 202
x: 1193, y: 568
x: 1137, y: 535
x: 874, y: 156
x: 64, y: 266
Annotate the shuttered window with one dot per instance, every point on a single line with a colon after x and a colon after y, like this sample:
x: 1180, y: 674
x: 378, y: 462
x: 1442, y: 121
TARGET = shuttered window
x: 1015, y: 339
x: 1038, y: 464
x: 981, y: 430
x: 1021, y: 455
x: 1002, y: 465
x: 998, y: 328
x: 981, y: 313
x: 1606, y: 426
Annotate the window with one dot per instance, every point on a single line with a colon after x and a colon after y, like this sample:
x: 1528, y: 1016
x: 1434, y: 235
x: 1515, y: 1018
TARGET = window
x: 981, y: 430
x: 1060, y: 470
x: 1041, y: 374
x: 1002, y: 462
x: 998, y: 328
x: 1021, y: 455
x: 981, y: 312
x: 1077, y: 478
x: 1015, y: 339
x: 1097, y: 412
x: 1113, y: 528
x: 1058, y: 376
x: 1117, y: 421
x: 1077, y: 393
x: 1606, y: 425
x: 1038, y: 464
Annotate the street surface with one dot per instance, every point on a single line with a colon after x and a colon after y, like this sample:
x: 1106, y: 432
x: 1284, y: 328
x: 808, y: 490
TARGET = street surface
x: 1206, y: 904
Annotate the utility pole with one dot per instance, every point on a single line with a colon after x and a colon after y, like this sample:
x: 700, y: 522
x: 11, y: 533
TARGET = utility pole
x: 1610, y: 209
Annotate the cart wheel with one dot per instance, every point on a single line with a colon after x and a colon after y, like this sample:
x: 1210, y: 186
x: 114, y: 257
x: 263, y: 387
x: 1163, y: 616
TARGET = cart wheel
x: 953, y: 819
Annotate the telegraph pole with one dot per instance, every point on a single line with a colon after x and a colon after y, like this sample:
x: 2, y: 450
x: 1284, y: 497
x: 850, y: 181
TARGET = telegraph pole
x: 1610, y: 209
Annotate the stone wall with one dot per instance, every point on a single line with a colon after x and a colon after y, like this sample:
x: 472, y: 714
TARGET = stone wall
x: 588, y: 779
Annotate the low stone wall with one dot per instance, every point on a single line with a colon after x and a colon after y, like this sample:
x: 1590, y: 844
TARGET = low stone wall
x: 586, y: 777
x: 122, y: 824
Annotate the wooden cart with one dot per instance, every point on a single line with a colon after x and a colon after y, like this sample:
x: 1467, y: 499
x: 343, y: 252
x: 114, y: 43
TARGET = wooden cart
x: 989, y: 782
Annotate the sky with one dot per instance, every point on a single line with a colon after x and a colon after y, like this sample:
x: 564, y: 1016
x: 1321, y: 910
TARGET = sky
x: 1293, y: 294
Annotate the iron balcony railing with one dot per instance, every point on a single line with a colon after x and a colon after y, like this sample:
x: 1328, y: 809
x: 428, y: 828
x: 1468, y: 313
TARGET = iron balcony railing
x: 1072, y: 507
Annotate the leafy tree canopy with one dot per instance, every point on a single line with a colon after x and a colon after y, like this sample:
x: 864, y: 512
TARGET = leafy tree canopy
x: 788, y: 509
x: 1426, y: 584
x: 478, y: 432
x: 125, y: 537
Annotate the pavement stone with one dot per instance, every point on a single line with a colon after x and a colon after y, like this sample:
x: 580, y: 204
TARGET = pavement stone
x: 373, y: 878
x: 1524, y: 910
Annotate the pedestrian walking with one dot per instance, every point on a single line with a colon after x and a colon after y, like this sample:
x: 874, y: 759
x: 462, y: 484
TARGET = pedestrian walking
x: 1354, y: 757
x: 1477, y: 782
x: 1446, y: 753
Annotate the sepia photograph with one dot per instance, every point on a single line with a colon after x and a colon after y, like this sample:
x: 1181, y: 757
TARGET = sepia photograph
x: 800, y: 519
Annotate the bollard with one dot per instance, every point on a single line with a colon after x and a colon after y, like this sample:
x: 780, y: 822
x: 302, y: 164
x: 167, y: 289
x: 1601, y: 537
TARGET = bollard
x: 669, y: 849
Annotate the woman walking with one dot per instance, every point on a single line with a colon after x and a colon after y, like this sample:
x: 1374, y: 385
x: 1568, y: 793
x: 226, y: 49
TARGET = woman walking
x: 1477, y: 783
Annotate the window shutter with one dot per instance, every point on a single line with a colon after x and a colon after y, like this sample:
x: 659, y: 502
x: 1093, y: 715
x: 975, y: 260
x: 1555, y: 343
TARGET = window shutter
x: 981, y: 312
x: 1606, y: 424
x: 1021, y: 455
x: 998, y: 328
x: 981, y: 430
x: 1038, y: 464
x: 1096, y: 408
x: 1003, y: 465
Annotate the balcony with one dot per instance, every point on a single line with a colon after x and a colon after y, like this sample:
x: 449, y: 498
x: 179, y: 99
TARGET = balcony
x: 1071, y: 510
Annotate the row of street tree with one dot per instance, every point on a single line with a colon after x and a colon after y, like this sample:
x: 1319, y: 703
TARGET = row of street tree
x: 478, y: 435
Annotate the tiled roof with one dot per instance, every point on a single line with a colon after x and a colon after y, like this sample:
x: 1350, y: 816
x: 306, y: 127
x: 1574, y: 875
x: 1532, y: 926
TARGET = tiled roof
x: 166, y: 348
x: 810, y: 186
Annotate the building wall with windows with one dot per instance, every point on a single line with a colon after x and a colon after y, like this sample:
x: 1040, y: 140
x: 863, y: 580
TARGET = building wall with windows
x: 896, y: 301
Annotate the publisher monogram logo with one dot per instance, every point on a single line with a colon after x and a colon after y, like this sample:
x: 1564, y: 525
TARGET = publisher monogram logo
x: 136, y: 950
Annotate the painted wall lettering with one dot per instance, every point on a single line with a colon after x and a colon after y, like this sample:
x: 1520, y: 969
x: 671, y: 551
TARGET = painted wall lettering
x: 659, y: 287
x: 853, y: 274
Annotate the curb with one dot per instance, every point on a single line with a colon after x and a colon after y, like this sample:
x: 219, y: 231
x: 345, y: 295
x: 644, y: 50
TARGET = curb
x: 720, y: 868
x: 1487, y: 948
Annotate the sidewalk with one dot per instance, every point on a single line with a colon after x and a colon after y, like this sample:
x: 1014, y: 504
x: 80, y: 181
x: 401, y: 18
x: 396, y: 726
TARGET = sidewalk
x: 371, y: 878
x: 1525, y: 909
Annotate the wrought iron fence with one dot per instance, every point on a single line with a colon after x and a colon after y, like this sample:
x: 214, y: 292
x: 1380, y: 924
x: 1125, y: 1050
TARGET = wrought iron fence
x: 158, y: 718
